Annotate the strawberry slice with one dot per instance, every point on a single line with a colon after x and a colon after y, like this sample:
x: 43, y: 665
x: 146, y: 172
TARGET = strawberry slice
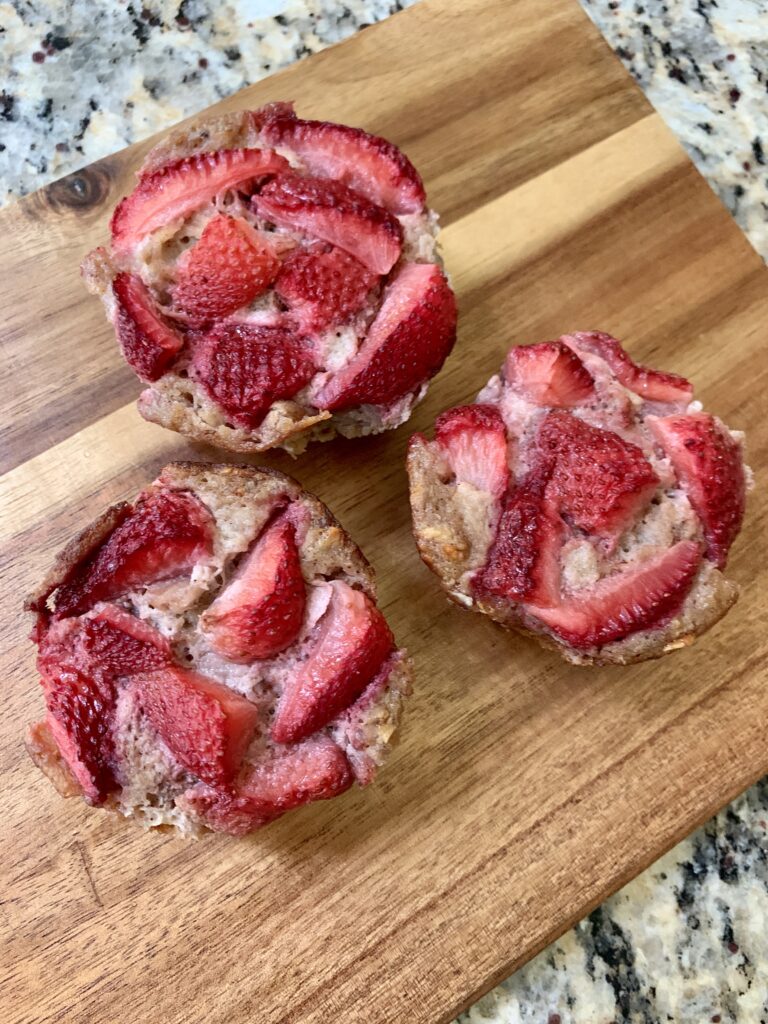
x: 148, y: 342
x: 334, y: 213
x: 652, y: 385
x: 118, y: 644
x: 228, y: 267
x: 166, y: 533
x: 407, y: 343
x: 260, y: 613
x: 708, y: 463
x: 323, y: 289
x: 626, y: 602
x: 206, y: 726
x: 367, y: 163
x: 179, y: 188
x: 289, y: 777
x: 474, y: 441
x: 353, y: 640
x: 245, y: 367
x: 602, y: 482
x: 549, y: 374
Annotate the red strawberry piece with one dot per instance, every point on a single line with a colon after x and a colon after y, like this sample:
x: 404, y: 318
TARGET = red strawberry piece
x: 166, y: 533
x: 148, y: 342
x: 288, y: 777
x: 179, y: 188
x: 474, y: 442
x: 228, y: 267
x: 601, y: 481
x: 524, y: 561
x: 246, y: 367
x: 367, y: 163
x: 652, y: 385
x: 708, y: 464
x: 206, y: 726
x: 323, y: 289
x: 333, y: 213
x: 118, y: 644
x: 618, y: 605
x: 549, y: 374
x: 260, y: 613
x: 407, y: 343
x: 353, y: 640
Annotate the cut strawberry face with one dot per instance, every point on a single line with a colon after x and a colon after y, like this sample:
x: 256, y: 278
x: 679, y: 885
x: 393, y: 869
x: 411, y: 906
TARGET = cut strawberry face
x: 178, y: 189
x: 246, y: 367
x: 118, y: 644
x: 148, y: 342
x: 407, y: 343
x: 652, y: 385
x: 707, y: 461
x: 323, y: 289
x: 352, y: 642
x: 260, y: 613
x: 474, y: 441
x: 166, y: 534
x: 228, y: 267
x: 206, y: 726
x: 627, y: 602
x: 549, y: 374
x: 601, y: 481
x: 333, y: 213
x: 367, y: 163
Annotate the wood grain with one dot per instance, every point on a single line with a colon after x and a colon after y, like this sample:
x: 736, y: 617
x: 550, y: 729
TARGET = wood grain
x: 524, y: 790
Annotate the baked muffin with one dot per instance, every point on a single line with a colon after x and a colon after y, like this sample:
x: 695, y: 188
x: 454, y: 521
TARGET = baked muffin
x: 275, y: 280
x: 585, y: 500
x: 212, y: 655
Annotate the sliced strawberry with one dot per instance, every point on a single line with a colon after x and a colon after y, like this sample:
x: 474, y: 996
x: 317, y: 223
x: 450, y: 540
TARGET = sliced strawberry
x: 474, y: 441
x: 407, y: 343
x: 206, y: 726
x: 166, y: 533
x: 353, y: 640
x: 367, y: 163
x: 289, y: 777
x: 652, y: 385
x: 181, y: 187
x: 334, y: 213
x: 246, y: 367
x: 602, y: 482
x: 119, y: 644
x: 148, y: 342
x: 228, y: 267
x: 260, y: 613
x: 708, y: 463
x: 627, y: 602
x: 323, y: 289
x: 549, y: 374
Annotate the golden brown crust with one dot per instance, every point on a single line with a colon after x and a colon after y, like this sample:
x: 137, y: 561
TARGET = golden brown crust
x: 42, y: 748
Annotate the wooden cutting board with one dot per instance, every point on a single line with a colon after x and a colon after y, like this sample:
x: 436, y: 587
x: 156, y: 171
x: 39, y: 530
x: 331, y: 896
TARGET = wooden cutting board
x: 524, y: 791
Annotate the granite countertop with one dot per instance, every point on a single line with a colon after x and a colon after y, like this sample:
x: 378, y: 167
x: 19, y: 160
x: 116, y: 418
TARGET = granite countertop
x: 687, y: 941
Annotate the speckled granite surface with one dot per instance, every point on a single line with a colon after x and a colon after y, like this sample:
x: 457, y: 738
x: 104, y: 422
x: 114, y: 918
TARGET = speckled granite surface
x: 687, y: 941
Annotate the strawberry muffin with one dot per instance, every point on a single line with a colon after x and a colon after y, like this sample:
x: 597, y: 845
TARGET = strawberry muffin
x: 275, y: 280
x: 212, y: 655
x: 585, y: 500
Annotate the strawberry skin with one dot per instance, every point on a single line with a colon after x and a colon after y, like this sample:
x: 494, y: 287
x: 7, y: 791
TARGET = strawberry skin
x: 407, y: 343
x: 118, y: 644
x: 473, y: 439
x: 708, y: 463
x: 178, y: 189
x: 626, y: 602
x: 333, y: 213
x: 352, y: 642
x: 228, y: 267
x: 323, y: 289
x: 367, y: 163
x: 549, y: 374
x: 652, y: 385
x: 245, y: 367
x: 148, y: 342
x: 166, y: 533
x: 260, y: 612
x: 206, y: 726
